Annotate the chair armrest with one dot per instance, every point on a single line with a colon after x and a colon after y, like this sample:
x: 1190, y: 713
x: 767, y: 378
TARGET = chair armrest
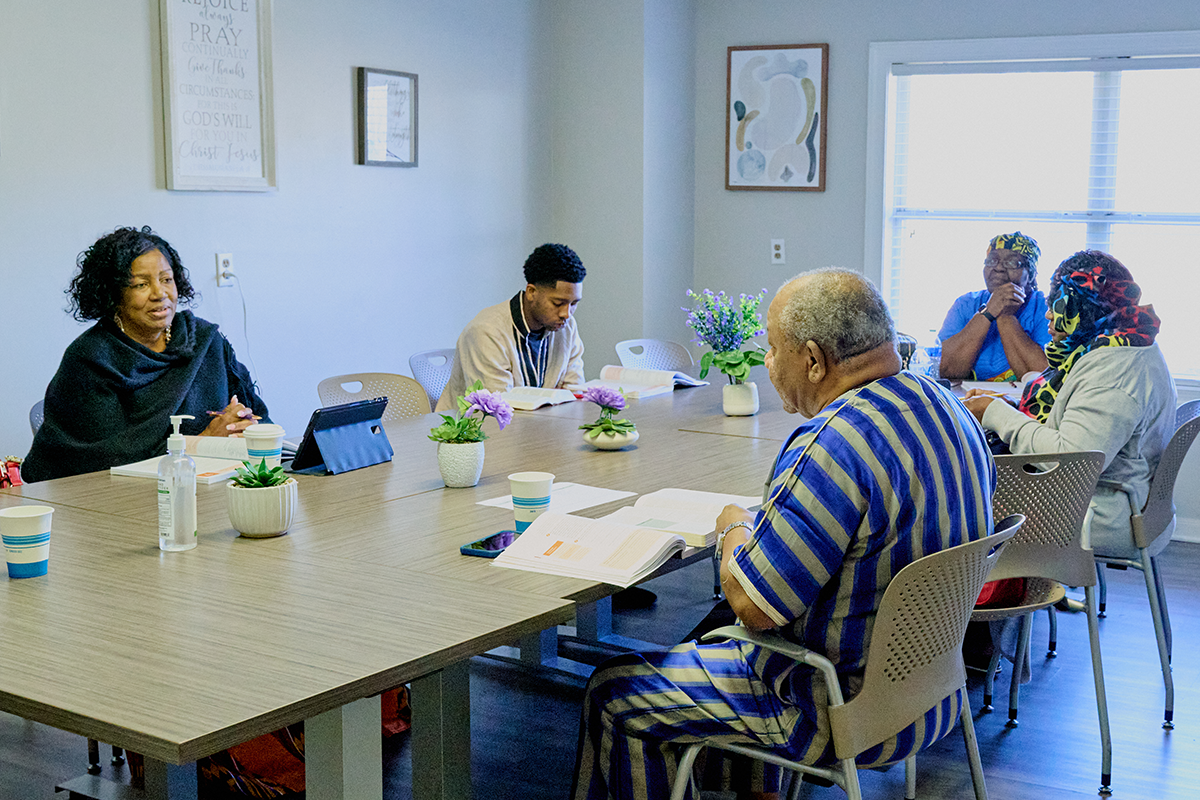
x: 1129, y: 491
x: 770, y: 640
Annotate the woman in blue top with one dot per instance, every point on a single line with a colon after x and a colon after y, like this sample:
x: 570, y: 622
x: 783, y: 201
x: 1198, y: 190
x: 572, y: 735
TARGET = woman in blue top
x: 998, y: 334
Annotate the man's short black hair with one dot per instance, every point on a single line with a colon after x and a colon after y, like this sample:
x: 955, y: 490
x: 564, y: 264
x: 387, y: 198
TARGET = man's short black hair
x: 551, y: 263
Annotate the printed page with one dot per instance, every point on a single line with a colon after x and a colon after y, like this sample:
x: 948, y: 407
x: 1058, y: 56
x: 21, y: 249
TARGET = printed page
x: 527, y: 398
x: 693, y: 504
x: 208, y: 470
x: 578, y: 547
x: 649, y: 377
x: 1009, y: 389
x: 216, y: 447
x: 697, y: 529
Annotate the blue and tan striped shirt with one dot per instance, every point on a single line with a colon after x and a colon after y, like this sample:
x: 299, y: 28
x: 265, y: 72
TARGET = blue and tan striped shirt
x: 890, y: 472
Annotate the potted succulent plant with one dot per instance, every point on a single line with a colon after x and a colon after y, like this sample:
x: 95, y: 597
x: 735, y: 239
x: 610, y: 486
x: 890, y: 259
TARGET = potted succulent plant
x: 261, y: 500
x: 460, y: 437
x: 608, y: 432
x: 725, y: 325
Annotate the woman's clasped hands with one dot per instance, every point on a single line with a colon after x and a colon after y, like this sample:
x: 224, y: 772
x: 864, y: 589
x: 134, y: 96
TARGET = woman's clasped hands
x: 231, y: 420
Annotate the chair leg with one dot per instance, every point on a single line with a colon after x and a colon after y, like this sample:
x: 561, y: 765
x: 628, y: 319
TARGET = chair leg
x: 850, y: 773
x: 93, y: 757
x: 683, y: 772
x: 1022, y: 655
x: 1100, y: 579
x: 910, y: 778
x: 1052, y: 646
x: 972, y: 743
x: 118, y: 757
x: 716, y: 580
x: 1101, y: 697
x: 989, y: 680
x: 1164, y: 655
x: 1162, y: 602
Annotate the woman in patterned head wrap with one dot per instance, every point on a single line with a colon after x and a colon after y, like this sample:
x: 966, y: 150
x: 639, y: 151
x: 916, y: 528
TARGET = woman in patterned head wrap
x: 1107, y: 388
x: 997, y: 334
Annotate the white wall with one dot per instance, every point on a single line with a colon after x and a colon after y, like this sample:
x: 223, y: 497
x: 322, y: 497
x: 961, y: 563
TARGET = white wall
x: 733, y: 229
x: 343, y: 268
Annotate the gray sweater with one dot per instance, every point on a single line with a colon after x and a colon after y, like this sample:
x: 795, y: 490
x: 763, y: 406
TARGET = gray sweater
x: 1119, y: 400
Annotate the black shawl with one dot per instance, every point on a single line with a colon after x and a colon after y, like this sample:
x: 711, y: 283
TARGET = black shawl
x: 111, y: 400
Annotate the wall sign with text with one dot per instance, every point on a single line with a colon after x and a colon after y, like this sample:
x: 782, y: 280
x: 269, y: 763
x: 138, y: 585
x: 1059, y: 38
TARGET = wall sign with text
x: 218, y: 123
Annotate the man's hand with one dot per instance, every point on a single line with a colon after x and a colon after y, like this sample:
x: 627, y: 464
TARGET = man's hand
x: 1008, y: 299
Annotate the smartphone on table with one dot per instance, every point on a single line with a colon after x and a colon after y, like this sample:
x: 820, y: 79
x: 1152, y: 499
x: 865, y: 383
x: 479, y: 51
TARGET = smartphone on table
x: 491, y: 546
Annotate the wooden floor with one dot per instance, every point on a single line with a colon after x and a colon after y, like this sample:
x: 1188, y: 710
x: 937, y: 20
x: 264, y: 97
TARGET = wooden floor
x: 524, y: 726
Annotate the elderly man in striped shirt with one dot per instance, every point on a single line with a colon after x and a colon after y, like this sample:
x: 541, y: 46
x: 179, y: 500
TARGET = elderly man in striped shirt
x: 887, y: 468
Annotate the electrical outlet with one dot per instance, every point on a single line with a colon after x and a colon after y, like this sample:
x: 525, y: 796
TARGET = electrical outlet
x: 777, y: 253
x: 225, y: 269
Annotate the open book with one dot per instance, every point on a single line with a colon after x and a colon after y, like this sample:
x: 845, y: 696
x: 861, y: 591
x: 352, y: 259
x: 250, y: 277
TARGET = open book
x: 641, y: 383
x: 216, y: 457
x: 684, y: 512
x: 527, y: 398
x: 593, y: 549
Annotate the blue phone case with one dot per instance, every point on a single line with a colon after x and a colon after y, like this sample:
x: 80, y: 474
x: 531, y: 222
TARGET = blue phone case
x: 507, y: 537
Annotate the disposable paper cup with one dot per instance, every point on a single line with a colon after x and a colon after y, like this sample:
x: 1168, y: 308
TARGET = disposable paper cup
x: 530, y: 496
x: 264, y: 441
x: 26, y: 534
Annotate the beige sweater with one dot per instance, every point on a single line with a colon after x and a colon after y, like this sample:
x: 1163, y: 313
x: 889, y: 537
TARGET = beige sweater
x: 493, y: 348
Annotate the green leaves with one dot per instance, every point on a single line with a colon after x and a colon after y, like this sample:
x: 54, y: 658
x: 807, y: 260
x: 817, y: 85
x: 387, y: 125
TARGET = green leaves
x: 736, y: 364
x: 459, y: 428
x: 606, y: 424
x: 249, y: 476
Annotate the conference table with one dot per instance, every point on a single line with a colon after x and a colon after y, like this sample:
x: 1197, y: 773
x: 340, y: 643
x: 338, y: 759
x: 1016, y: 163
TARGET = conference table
x: 181, y: 655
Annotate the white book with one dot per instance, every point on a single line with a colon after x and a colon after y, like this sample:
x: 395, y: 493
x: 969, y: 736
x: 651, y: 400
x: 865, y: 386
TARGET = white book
x: 527, y: 398
x: 216, y: 457
x: 690, y: 514
x: 592, y: 549
x: 638, y: 384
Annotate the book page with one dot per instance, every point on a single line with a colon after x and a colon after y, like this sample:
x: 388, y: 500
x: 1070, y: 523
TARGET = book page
x: 648, y: 377
x: 698, y: 529
x: 632, y: 391
x: 691, y: 503
x: 578, y: 547
x: 216, y: 447
x: 527, y: 398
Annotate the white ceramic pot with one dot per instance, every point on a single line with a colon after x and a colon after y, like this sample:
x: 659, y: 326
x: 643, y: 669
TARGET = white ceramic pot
x: 262, y: 512
x: 740, y: 399
x: 461, y: 464
x: 610, y: 441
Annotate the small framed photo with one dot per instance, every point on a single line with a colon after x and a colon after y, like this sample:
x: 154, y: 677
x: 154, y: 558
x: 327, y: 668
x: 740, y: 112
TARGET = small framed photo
x: 776, y: 97
x: 387, y: 118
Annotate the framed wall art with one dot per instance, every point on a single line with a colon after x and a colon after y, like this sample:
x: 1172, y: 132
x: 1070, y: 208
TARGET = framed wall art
x: 387, y: 118
x: 776, y: 96
x: 216, y: 82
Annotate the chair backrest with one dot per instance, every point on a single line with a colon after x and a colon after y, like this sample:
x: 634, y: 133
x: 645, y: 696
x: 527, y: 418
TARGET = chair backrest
x: 37, y: 415
x: 915, y: 660
x: 1160, y: 507
x: 1053, y: 491
x: 432, y: 369
x: 654, y: 354
x: 405, y: 396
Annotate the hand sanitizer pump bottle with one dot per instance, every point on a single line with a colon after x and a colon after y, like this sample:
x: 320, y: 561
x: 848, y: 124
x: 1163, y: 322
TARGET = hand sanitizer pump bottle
x: 177, y: 493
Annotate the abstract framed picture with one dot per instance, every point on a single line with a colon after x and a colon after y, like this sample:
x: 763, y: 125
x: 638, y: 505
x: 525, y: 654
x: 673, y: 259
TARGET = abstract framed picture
x: 387, y: 118
x: 776, y: 97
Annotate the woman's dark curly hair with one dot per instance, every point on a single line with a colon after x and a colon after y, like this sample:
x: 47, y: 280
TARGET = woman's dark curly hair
x: 97, y: 289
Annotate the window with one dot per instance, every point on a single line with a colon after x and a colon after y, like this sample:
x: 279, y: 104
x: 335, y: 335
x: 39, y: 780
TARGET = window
x: 1079, y: 142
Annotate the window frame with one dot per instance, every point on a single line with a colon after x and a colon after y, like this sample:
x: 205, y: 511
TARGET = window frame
x: 881, y: 113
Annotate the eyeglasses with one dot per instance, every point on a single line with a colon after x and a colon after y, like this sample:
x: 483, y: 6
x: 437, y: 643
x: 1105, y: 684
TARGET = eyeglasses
x: 1014, y: 263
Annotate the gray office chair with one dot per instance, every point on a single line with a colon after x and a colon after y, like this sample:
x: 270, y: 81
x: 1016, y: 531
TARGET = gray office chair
x: 1053, y: 491
x: 405, y: 396
x: 654, y: 354
x: 1152, y: 526
x: 37, y: 415
x: 914, y: 662
x: 432, y: 369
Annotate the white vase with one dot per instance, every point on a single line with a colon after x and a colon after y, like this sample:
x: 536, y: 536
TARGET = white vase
x: 262, y: 512
x: 461, y: 464
x: 610, y: 441
x: 740, y: 399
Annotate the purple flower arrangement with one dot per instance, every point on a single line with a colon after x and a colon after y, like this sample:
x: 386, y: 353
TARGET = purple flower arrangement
x: 610, y: 401
x: 464, y: 427
x: 725, y: 324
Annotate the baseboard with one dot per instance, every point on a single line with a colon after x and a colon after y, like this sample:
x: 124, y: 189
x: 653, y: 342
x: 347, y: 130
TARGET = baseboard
x: 1187, y: 529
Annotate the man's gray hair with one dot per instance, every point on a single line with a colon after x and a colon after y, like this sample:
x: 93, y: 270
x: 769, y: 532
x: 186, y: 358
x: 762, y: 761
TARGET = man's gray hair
x: 840, y: 310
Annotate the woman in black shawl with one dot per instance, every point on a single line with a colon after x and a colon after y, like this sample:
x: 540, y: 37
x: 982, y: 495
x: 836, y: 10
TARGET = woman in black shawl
x: 111, y: 400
